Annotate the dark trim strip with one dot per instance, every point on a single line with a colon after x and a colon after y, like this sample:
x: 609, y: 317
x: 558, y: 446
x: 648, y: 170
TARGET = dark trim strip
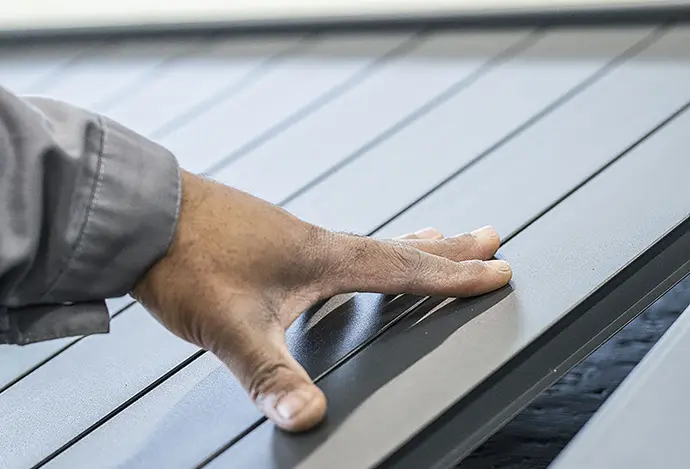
x: 644, y: 422
x: 498, y: 399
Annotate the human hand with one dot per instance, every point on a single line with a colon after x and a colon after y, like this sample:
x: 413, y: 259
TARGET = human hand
x: 241, y: 270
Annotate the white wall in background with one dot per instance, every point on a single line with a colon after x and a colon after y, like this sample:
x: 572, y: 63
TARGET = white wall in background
x: 23, y: 14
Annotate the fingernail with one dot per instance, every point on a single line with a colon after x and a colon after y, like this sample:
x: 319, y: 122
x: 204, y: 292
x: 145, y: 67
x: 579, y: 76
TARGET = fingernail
x: 291, y: 404
x: 487, y: 232
x: 427, y: 232
x: 500, y: 265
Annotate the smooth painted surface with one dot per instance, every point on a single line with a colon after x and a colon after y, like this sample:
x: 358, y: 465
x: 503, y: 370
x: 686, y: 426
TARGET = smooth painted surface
x: 550, y: 278
x: 23, y: 70
x: 355, y: 120
x: 193, y: 83
x: 81, y: 385
x: 18, y: 361
x: 460, y: 129
x: 585, y: 132
x: 109, y: 70
x: 115, y: 305
x: 276, y: 100
x: 646, y: 421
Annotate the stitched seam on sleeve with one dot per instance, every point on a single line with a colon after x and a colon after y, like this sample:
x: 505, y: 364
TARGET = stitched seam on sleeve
x: 78, y: 245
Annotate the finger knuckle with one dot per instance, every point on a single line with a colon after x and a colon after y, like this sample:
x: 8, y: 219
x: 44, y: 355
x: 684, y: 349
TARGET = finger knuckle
x: 461, y: 246
x: 406, y: 258
x: 265, y: 379
x: 313, y: 255
x: 466, y: 239
x: 487, y: 243
x: 347, y: 254
x: 470, y: 243
x: 472, y: 275
x: 474, y: 268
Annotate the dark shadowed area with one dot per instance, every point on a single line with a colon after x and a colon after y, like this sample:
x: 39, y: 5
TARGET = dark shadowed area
x: 540, y: 432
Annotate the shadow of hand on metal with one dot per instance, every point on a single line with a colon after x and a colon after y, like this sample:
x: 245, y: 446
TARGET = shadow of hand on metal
x: 411, y: 337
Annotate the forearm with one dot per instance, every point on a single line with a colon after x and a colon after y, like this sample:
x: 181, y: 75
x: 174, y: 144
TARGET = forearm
x: 86, y: 206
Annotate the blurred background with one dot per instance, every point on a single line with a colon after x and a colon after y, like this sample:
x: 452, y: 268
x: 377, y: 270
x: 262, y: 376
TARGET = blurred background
x: 42, y: 14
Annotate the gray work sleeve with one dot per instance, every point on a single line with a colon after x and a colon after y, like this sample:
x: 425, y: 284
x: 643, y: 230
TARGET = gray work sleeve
x: 87, y: 206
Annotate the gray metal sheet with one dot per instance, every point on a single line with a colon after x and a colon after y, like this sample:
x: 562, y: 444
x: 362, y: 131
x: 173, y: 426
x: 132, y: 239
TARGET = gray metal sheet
x: 461, y: 128
x: 184, y: 88
x: 591, y: 129
x: 23, y: 69
x: 301, y: 84
x: 116, y: 304
x: 81, y: 385
x: 17, y: 361
x: 189, y: 433
x: 109, y: 70
x: 645, y: 423
x: 385, y: 100
x: 558, y: 261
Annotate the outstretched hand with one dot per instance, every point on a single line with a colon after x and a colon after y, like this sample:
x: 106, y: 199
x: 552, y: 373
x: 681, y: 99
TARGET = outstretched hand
x: 241, y: 270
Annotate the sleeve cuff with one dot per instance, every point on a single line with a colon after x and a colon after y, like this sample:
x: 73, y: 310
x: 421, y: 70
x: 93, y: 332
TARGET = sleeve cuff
x: 131, y: 219
x: 23, y: 326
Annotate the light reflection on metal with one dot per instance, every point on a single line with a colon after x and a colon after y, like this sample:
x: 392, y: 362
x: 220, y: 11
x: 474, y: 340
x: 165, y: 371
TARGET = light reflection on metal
x: 432, y: 311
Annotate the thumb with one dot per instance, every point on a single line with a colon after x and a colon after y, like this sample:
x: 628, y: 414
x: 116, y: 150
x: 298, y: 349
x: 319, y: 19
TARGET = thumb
x: 279, y: 386
x: 255, y: 351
